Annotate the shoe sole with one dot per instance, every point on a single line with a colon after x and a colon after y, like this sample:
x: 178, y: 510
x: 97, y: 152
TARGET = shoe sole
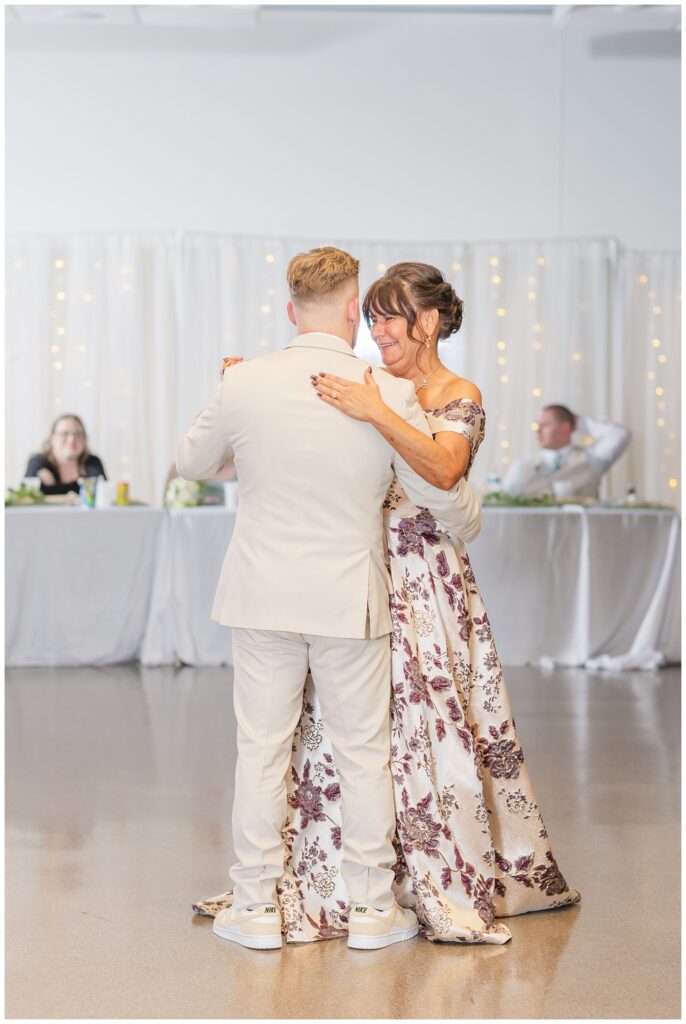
x: 379, y: 941
x: 251, y: 941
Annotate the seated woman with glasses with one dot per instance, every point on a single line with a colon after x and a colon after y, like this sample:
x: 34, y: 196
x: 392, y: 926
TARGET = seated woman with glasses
x: 65, y: 458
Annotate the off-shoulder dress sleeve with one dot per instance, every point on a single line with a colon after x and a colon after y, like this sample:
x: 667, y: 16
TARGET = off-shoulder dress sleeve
x: 461, y: 416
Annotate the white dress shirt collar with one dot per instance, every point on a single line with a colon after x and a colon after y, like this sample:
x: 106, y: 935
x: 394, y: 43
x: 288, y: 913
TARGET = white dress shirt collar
x: 320, y: 340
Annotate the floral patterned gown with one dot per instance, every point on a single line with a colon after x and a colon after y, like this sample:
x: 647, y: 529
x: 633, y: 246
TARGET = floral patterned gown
x: 470, y: 839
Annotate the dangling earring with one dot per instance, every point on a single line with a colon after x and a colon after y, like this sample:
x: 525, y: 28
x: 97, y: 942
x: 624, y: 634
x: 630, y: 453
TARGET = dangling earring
x: 427, y: 341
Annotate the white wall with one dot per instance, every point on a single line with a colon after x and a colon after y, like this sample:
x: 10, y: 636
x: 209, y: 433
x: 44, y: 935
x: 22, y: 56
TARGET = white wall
x: 331, y: 124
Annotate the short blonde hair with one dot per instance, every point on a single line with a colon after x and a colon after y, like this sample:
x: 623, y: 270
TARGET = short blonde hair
x: 320, y: 273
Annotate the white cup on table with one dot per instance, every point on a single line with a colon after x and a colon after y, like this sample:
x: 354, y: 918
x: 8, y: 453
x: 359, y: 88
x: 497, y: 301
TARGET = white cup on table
x: 105, y: 494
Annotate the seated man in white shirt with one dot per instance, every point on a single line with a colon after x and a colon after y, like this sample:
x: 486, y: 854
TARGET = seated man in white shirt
x: 563, y: 469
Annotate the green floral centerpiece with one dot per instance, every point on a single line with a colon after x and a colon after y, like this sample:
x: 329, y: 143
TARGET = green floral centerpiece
x: 184, y: 493
x: 502, y: 499
x: 24, y: 495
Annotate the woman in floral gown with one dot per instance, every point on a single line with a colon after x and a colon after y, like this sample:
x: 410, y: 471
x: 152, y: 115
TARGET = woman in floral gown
x: 471, y: 844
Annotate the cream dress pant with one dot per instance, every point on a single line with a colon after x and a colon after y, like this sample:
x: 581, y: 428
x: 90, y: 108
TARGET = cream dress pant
x: 352, y: 680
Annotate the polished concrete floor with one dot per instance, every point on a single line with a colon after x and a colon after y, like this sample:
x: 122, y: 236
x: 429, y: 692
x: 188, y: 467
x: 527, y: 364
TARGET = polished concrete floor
x: 118, y: 798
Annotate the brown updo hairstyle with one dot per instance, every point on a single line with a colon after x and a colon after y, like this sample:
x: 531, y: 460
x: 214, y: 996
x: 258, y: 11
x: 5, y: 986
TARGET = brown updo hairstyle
x: 47, y: 444
x: 407, y: 289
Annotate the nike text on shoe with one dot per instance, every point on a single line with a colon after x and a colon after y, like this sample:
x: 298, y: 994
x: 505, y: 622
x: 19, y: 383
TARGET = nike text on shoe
x: 257, y: 927
x: 372, y: 929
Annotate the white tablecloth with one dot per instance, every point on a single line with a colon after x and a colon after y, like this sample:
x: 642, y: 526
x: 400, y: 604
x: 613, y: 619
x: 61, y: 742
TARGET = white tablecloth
x: 581, y: 586
x: 572, y: 585
x: 192, y: 548
x: 567, y: 584
x: 78, y: 583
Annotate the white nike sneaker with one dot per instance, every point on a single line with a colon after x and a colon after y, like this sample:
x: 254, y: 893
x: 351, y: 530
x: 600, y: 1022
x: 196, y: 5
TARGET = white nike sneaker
x: 257, y: 927
x: 372, y: 929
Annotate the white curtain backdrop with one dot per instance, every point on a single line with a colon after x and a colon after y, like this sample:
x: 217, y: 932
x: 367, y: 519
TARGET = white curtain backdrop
x: 128, y: 331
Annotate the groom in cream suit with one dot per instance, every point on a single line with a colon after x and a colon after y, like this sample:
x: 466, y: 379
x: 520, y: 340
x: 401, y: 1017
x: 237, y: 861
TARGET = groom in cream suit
x: 304, y: 586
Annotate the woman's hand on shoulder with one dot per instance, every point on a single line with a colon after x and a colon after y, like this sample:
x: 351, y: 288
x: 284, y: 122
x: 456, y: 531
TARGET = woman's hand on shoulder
x: 360, y: 401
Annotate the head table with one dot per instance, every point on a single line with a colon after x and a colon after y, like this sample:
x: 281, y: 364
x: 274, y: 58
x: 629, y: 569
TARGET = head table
x: 573, y: 585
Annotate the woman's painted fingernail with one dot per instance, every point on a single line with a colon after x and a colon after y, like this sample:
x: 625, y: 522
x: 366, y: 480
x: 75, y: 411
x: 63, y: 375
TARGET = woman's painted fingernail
x: 322, y: 374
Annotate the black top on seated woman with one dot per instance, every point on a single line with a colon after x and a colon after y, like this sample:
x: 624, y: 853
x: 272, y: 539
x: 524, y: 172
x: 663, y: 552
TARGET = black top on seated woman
x: 65, y: 458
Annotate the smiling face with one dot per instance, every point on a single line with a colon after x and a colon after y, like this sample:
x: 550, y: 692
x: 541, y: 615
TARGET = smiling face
x: 68, y: 439
x: 398, y: 349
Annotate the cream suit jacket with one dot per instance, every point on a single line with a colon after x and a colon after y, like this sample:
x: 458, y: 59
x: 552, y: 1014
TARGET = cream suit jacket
x: 306, y: 554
